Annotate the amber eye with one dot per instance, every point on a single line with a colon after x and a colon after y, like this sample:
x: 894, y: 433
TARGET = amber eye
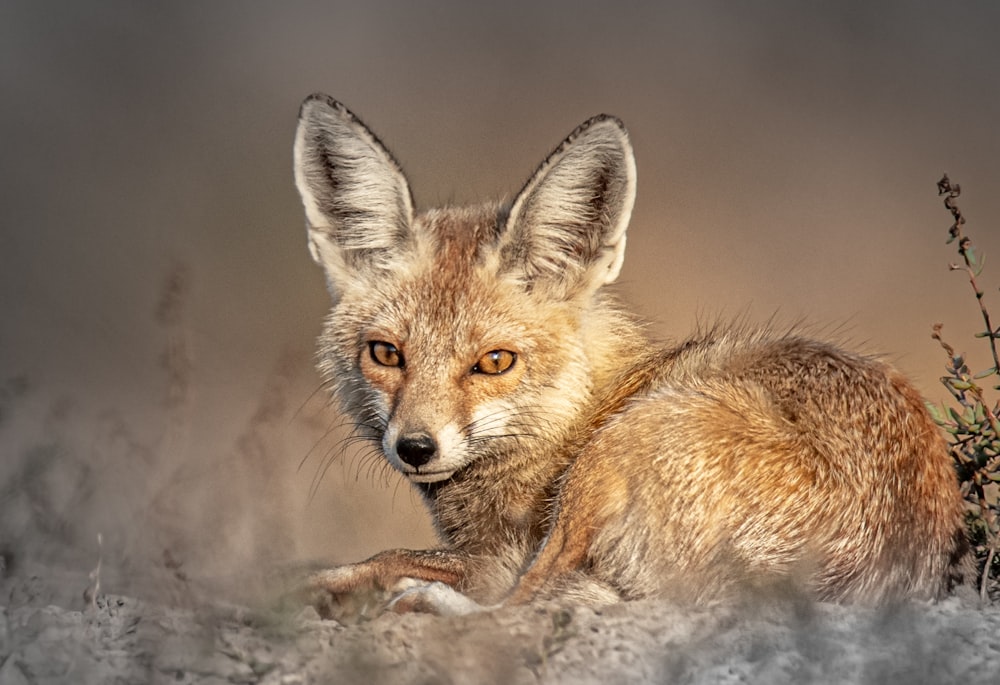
x: 495, y: 362
x: 385, y: 354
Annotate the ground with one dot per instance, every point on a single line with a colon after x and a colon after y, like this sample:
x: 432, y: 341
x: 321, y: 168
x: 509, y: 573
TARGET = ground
x: 51, y: 635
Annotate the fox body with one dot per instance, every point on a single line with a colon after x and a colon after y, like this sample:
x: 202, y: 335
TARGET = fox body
x: 561, y: 452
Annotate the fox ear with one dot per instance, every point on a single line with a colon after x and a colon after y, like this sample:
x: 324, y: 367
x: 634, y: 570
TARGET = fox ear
x: 566, y: 228
x: 359, y: 209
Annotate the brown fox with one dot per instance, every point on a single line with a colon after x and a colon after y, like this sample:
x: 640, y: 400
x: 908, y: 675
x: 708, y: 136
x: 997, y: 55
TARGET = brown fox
x: 561, y: 452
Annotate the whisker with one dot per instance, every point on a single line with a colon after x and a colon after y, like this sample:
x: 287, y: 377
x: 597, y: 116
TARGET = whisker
x: 499, y: 419
x: 302, y: 406
x: 480, y: 439
x: 395, y: 492
x: 339, y: 424
x: 320, y: 474
x: 373, y: 466
x: 361, y: 433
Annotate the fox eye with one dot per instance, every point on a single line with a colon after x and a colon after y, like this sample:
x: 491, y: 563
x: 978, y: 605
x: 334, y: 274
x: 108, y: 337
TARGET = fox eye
x: 385, y: 354
x: 495, y: 362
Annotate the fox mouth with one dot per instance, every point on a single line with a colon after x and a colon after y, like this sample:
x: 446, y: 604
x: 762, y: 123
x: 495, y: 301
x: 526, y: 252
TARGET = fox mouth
x: 429, y: 476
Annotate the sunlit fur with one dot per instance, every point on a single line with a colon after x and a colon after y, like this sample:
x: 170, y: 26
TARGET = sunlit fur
x: 602, y: 465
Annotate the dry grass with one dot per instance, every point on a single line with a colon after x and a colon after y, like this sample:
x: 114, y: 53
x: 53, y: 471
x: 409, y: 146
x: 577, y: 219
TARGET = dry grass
x: 971, y: 421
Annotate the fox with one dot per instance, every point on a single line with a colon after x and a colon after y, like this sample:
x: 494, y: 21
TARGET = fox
x: 565, y: 454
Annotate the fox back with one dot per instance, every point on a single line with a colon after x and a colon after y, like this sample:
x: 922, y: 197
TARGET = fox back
x: 556, y: 445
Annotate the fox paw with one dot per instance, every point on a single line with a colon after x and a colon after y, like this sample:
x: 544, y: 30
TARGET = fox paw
x: 346, y: 595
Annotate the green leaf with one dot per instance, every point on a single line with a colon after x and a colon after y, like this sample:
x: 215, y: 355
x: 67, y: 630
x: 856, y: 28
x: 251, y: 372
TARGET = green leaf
x: 988, y: 372
x: 982, y: 264
x: 956, y: 417
x: 970, y: 253
x: 936, y: 414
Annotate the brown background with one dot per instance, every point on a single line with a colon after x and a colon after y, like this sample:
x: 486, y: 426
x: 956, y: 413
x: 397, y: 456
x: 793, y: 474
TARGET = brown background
x: 787, y: 156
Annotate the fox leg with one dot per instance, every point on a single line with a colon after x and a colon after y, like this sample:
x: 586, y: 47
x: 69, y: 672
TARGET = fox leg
x: 382, y: 576
x: 584, y: 508
x: 385, y: 569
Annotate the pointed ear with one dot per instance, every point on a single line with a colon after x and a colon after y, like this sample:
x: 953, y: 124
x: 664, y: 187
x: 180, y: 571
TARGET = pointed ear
x: 359, y: 209
x: 566, y: 228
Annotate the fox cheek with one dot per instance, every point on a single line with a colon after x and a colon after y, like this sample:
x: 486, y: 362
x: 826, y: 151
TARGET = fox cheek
x: 384, y: 380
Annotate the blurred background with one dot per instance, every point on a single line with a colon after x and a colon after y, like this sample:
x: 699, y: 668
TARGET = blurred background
x: 159, y: 306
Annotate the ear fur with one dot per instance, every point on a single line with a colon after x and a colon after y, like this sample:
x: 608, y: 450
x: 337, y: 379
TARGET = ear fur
x: 359, y: 209
x: 566, y: 228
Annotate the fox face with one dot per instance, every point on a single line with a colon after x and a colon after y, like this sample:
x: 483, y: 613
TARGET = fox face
x: 443, y: 365
x: 459, y: 334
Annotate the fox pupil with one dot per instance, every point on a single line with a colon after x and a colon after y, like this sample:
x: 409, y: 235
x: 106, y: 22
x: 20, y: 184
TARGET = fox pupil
x: 385, y: 354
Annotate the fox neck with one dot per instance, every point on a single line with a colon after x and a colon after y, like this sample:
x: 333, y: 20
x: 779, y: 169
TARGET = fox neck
x: 497, y: 504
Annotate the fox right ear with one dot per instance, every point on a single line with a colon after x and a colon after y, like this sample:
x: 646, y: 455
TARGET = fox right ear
x: 566, y: 229
x: 358, y: 204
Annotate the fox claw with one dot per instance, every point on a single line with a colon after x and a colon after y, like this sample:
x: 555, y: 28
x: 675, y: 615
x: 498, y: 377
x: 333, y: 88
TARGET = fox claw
x: 344, y: 594
x: 348, y: 595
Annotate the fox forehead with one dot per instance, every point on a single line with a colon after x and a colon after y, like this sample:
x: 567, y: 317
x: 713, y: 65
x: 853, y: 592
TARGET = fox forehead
x: 446, y: 292
x: 462, y: 235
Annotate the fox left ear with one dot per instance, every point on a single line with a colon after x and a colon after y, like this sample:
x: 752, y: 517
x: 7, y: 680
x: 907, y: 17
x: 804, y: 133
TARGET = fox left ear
x: 566, y: 228
x: 359, y: 209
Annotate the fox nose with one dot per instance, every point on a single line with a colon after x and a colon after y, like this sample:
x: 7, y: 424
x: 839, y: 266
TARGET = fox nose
x: 416, y: 449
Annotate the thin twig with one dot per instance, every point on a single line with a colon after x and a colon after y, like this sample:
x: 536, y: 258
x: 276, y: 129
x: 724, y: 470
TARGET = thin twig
x: 951, y: 192
x: 984, y: 583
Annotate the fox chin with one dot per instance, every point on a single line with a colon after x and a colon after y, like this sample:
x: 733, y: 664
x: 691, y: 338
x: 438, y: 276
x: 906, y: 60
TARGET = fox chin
x: 562, y: 453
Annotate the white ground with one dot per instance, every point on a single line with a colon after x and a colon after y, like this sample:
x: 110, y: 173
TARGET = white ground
x: 48, y: 636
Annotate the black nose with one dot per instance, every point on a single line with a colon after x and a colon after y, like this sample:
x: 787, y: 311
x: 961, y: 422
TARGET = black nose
x: 416, y: 449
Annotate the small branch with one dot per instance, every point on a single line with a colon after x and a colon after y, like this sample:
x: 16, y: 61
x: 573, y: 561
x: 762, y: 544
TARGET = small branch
x: 984, y: 583
x: 951, y: 192
x: 94, y: 589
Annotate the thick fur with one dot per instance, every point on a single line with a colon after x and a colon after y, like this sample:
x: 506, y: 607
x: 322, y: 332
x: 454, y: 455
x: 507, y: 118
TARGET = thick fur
x: 601, y: 465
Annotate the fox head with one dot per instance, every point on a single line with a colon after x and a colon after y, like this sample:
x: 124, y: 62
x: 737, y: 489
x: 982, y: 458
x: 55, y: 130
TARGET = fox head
x: 461, y: 335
